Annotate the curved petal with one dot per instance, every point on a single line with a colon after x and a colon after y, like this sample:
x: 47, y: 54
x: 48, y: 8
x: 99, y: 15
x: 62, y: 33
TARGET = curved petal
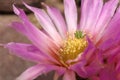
x: 105, y: 17
x: 108, y: 74
x: 18, y: 26
x: 89, y: 62
x: 88, y: 68
x: 29, y: 28
x: 90, y: 12
x: 113, y: 56
x: 113, y: 29
x: 79, y: 69
x: 58, y: 20
x: 69, y: 75
x: 57, y: 68
x: 37, y: 37
x: 45, y: 22
x: 70, y: 15
x: 109, y: 44
x: 27, y: 52
x: 33, y: 72
x: 110, y: 49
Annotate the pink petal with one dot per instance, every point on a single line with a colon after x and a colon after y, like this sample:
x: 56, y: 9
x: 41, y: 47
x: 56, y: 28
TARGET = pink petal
x: 86, y: 69
x: 107, y: 44
x: 110, y: 45
x: 32, y: 33
x: 110, y: 50
x: 28, y: 28
x: 70, y: 15
x: 89, y: 62
x: 108, y: 74
x: 113, y: 29
x: 79, y: 69
x: 58, y: 20
x: 69, y: 75
x: 113, y: 55
x: 94, y: 78
x: 27, y: 52
x: 46, y: 23
x: 105, y: 17
x: 90, y: 12
x: 39, y: 69
x: 37, y: 37
x: 118, y: 64
x: 18, y: 26
x: 60, y: 70
x: 32, y: 72
x: 94, y: 67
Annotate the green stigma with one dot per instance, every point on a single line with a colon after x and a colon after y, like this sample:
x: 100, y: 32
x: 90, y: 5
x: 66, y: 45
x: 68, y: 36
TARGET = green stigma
x: 79, y: 34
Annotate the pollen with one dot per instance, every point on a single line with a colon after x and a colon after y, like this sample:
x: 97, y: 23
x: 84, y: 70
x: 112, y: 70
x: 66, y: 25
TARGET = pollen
x: 72, y: 47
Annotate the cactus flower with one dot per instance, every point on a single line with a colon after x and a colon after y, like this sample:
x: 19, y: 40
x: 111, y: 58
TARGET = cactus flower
x: 88, y: 47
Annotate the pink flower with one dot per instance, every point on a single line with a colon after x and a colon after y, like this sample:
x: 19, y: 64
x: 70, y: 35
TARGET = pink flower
x: 90, y: 49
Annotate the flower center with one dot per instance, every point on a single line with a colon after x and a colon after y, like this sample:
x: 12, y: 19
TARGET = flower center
x: 73, y: 46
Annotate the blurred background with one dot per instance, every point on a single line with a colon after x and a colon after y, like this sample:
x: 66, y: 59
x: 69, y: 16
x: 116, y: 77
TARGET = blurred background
x: 10, y: 65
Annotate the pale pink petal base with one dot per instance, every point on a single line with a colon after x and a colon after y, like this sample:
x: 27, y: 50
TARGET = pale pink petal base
x: 70, y: 11
x: 69, y: 75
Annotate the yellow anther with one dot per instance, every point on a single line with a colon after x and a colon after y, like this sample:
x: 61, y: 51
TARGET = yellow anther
x: 72, y: 47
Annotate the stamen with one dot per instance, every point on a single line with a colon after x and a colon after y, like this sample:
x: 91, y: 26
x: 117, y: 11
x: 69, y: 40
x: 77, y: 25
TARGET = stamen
x: 72, y: 47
